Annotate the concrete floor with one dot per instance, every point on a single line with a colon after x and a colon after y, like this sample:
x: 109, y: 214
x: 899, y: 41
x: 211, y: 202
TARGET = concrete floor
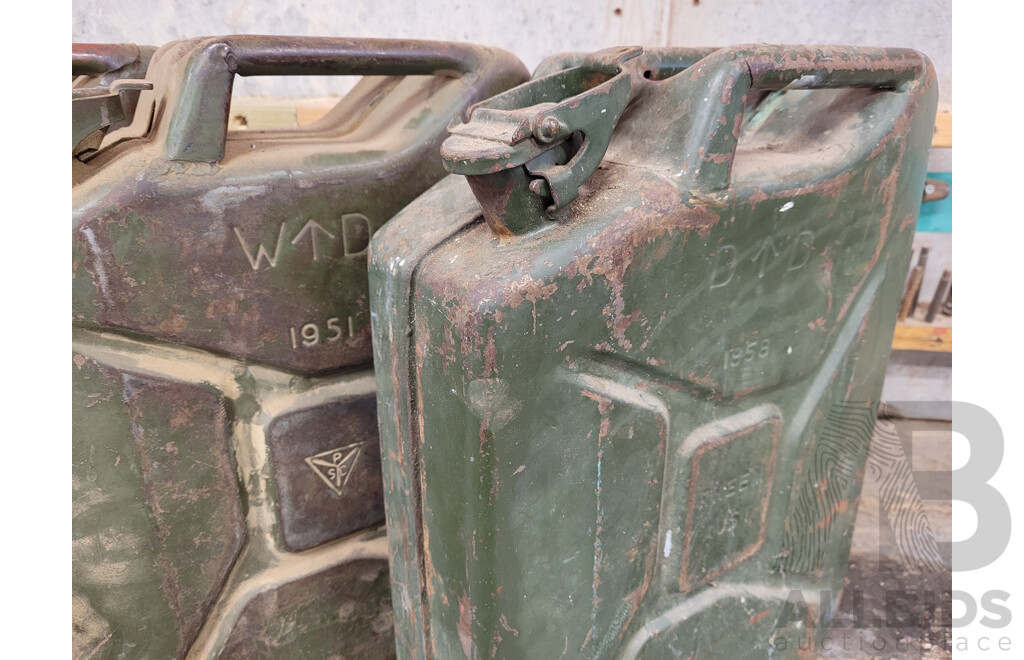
x: 911, y: 568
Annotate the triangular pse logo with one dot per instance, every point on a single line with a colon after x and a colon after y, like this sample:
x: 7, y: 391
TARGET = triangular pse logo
x: 335, y: 466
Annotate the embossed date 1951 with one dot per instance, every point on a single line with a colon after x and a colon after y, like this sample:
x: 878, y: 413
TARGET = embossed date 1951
x: 310, y: 334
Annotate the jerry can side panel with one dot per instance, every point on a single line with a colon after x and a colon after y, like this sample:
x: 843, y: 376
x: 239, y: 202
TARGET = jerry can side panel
x: 830, y: 419
x: 351, y: 600
x: 465, y: 346
x: 818, y: 522
x: 153, y: 474
x: 558, y: 588
x: 549, y: 481
x: 801, y: 416
x: 484, y: 613
x: 518, y: 511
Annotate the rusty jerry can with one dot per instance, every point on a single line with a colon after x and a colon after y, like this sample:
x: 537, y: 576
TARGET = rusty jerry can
x: 628, y: 366
x: 105, y: 86
x: 225, y: 436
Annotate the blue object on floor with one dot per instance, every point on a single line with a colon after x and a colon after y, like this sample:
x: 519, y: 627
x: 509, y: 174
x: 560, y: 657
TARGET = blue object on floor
x: 938, y: 216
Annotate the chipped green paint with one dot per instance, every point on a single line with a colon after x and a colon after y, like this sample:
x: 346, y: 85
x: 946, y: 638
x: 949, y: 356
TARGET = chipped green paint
x: 629, y: 425
x: 224, y: 409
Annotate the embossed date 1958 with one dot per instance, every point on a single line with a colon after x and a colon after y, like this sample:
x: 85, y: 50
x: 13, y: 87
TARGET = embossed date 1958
x: 752, y: 350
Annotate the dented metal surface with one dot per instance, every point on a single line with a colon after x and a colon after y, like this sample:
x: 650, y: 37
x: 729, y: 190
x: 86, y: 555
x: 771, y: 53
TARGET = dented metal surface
x: 224, y: 412
x: 631, y: 425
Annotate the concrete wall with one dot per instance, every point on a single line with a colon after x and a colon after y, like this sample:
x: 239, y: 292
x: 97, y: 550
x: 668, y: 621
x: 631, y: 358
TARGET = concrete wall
x: 530, y: 29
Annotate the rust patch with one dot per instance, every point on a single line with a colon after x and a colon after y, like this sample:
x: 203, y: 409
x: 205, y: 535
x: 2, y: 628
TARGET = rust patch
x: 490, y: 354
x: 175, y: 324
x: 604, y: 404
x: 838, y: 508
x: 504, y: 624
x: 636, y: 597
x: 465, y: 626
x: 725, y: 96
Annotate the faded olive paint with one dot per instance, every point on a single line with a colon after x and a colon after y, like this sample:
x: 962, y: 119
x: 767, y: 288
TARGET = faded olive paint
x: 156, y: 516
x: 224, y: 409
x: 343, y: 612
x: 627, y: 416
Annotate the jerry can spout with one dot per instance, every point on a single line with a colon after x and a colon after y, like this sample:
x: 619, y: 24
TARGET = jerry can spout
x: 526, y: 152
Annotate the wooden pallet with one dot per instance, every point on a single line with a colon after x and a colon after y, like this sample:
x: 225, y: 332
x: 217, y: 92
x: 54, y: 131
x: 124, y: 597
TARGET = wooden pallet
x: 922, y: 338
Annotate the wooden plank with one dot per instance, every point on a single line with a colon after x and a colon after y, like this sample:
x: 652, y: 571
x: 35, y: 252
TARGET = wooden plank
x: 260, y: 114
x: 943, y: 136
x: 257, y: 114
x: 309, y: 110
x: 922, y: 338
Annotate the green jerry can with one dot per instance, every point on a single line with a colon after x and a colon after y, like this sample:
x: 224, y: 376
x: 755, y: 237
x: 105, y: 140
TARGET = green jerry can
x: 227, y: 495
x: 627, y: 368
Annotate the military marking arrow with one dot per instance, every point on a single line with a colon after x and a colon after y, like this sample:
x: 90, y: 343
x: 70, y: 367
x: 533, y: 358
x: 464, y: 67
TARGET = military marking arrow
x: 311, y: 227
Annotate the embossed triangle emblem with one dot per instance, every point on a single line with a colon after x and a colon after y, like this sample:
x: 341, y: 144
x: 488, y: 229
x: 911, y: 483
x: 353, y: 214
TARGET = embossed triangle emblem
x: 335, y: 466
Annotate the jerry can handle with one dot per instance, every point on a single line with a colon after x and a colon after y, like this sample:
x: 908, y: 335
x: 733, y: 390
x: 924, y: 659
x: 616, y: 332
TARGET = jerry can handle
x: 199, y: 122
x: 526, y: 152
x: 97, y: 59
x: 658, y: 63
x: 727, y: 75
